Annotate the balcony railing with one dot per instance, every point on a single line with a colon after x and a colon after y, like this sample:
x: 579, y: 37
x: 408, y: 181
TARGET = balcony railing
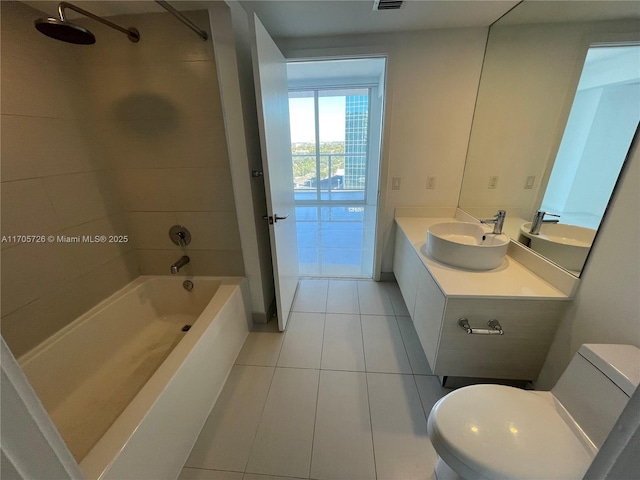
x: 335, y: 173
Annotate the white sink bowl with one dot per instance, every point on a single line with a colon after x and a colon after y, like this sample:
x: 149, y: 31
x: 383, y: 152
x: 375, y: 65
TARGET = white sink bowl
x: 466, y: 245
x: 566, y: 245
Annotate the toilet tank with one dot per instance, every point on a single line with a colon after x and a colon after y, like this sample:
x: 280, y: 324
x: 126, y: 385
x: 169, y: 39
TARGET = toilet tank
x: 596, y: 386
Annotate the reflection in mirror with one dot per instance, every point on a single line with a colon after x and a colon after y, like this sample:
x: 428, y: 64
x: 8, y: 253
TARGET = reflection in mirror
x: 598, y: 135
x: 557, y: 109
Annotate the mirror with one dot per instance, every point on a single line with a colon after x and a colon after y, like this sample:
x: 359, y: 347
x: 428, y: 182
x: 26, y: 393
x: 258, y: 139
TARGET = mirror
x: 532, y: 147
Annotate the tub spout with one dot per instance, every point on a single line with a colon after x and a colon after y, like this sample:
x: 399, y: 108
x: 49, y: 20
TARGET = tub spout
x: 182, y: 261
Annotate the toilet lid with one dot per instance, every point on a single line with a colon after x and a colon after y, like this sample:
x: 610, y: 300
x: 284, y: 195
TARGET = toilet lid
x: 499, y: 432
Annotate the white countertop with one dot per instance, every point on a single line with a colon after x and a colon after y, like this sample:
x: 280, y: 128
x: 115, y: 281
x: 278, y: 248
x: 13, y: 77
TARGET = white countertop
x: 511, y: 279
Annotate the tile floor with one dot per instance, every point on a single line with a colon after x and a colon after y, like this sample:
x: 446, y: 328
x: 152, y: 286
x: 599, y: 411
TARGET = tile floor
x: 343, y: 394
x: 336, y: 240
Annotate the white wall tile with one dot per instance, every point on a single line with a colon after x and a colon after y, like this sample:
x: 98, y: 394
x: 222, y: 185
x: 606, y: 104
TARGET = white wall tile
x: 285, y: 435
x: 302, y: 346
x: 150, y: 230
x: 110, y: 277
x: 26, y: 210
x: 89, y: 255
x: 211, y: 230
x: 49, y: 91
x: 31, y: 271
x: 342, y: 346
x: 342, y: 446
x: 226, y: 438
x: 400, y: 437
x: 42, y: 146
x: 147, y: 90
x: 383, y: 348
x: 343, y: 297
x: 25, y: 328
x: 176, y: 189
x: 164, y: 39
x: 81, y: 197
x: 161, y: 141
x: 203, y: 262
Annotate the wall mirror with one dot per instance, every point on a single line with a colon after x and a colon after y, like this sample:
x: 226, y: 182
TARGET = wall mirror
x: 557, y: 110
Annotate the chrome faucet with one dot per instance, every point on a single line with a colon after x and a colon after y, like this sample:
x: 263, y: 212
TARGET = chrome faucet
x: 497, y: 221
x: 538, y: 220
x: 182, y: 261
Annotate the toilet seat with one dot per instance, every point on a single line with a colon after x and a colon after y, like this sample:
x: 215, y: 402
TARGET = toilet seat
x: 508, y: 434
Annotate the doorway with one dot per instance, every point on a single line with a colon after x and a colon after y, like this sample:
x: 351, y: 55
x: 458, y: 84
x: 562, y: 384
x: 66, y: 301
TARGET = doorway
x: 336, y: 123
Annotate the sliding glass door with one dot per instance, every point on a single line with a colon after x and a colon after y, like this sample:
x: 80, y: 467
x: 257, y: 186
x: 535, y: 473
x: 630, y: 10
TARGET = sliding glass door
x: 330, y: 144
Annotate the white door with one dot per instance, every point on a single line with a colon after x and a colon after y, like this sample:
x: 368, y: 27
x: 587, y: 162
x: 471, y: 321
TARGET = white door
x: 270, y: 74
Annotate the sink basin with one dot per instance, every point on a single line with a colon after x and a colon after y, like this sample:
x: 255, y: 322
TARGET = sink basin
x: 466, y: 245
x: 566, y: 245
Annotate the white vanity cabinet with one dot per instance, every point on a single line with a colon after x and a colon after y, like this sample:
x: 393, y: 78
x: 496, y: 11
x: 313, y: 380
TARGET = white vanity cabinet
x: 437, y: 296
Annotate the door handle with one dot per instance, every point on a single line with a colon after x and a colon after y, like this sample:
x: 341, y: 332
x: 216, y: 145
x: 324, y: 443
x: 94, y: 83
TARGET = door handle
x: 277, y: 217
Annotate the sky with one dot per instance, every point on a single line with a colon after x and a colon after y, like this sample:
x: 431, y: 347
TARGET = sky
x: 331, y: 113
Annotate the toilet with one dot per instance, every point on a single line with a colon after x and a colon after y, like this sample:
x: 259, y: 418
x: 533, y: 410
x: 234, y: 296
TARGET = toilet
x: 497, y: 432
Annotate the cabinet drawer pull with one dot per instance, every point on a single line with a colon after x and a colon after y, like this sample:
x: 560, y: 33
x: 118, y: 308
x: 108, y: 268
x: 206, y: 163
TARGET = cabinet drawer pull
x: 494, y: 327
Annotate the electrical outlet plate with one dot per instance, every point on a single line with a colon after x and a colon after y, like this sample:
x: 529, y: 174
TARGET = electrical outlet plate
x: 431, y: 183
x: 531, y: 179
x: 493, y: 182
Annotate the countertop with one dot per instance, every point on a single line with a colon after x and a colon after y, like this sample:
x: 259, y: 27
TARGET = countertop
x: 511, y: 279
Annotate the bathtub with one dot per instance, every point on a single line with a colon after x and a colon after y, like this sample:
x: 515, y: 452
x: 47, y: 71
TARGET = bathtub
x: 127, y: 388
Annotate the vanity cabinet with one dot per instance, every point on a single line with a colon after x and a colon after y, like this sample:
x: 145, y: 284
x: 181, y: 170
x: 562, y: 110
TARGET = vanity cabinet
x: 528, y: 321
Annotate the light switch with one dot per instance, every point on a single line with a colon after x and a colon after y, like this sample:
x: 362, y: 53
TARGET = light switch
x: 531, y: 179
x: 395, y: 183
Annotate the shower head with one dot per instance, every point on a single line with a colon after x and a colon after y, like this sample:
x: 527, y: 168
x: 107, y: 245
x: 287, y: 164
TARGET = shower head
x: 61, y: 29
x: 65, y: 31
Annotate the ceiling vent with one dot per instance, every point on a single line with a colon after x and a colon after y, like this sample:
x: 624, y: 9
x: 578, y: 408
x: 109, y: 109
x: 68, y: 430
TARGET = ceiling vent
x: 387, y: 4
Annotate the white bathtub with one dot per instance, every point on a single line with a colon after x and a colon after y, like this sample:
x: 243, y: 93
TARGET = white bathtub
x: 128, y: 390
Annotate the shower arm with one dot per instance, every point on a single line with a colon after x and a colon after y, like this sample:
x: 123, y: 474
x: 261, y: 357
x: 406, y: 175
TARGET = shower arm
x: 183, y: 19
x: 133, y: 35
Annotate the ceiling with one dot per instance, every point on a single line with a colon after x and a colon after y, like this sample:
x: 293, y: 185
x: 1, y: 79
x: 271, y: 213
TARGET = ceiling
x: 307, y: 18
x: 304, y: 18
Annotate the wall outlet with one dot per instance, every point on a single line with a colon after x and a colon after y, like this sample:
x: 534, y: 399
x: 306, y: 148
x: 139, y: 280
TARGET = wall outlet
x: 493, y: 182
x: 431, y: 183
x: 395, y: 183
x: 531, y: 179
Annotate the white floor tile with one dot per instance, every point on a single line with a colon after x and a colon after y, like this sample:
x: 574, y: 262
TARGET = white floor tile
x: 285, y: 435
x: 261, y: 348
x: 430, y: 391
x: 400, y: 438
x: 343, y: 297
x: 226, y: 438
x: 384, y: 351
x: 342, y: 347
x: 302, y: 345
x: 200, y: 474
x: 311, y: 296
x: 342, y: 446
x: 417, y: 358
x: 374, y: 298
x: 395, y: 296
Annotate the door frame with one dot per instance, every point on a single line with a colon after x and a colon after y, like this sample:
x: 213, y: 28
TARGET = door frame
x: 381, y: 235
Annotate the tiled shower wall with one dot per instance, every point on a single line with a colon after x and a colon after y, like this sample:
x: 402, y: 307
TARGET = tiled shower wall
x: 111, y: 139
